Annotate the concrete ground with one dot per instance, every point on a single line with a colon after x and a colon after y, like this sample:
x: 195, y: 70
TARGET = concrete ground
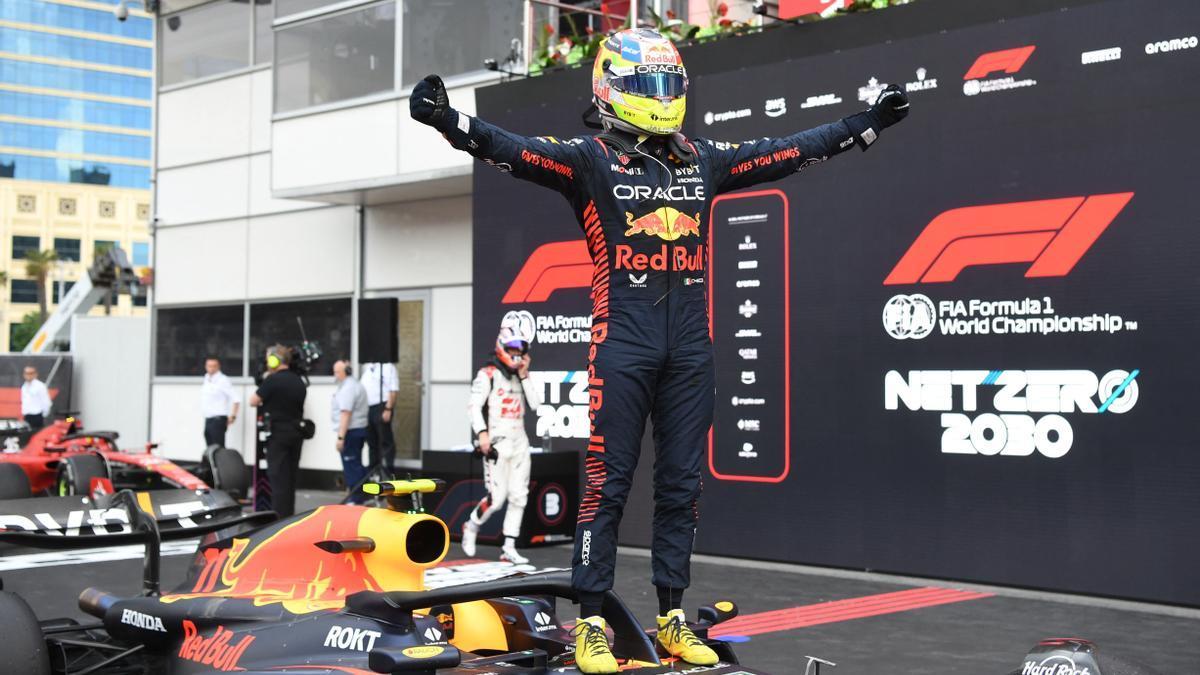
x: 873, y: 624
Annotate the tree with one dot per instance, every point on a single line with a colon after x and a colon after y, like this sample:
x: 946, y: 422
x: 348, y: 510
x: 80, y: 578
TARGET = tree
x: 23, y: 332
x: 39, y: 264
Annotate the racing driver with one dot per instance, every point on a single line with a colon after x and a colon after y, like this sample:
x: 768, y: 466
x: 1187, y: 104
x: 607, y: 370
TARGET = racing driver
x: 640, y: 191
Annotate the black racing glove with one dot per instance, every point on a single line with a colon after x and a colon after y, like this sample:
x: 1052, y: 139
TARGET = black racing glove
x: 889, y: 108
x: 430, y: 105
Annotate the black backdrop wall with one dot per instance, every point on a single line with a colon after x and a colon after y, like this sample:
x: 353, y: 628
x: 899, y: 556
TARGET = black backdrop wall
x: 985, y: 365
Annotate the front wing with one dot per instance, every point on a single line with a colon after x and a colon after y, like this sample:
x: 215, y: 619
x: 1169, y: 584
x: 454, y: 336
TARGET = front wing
x: 77, y: 515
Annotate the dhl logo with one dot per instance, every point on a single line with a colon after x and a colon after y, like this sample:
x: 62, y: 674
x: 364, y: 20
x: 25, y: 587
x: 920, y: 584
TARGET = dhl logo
x: 666, y: 223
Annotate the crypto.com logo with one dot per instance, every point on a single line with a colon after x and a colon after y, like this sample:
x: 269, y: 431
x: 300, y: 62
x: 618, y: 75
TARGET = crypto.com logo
x: 551, y: 267
x: 1053, y: 234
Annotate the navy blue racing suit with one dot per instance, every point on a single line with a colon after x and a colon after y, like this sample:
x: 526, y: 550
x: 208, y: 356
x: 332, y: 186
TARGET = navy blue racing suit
x: 644, y: 211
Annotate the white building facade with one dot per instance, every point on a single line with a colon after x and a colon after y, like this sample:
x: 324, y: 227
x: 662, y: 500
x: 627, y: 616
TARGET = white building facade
x: 290, y: 181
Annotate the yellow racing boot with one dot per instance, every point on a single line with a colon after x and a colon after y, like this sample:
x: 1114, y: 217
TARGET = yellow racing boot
x: 679, y: 640
x: 593, y: 656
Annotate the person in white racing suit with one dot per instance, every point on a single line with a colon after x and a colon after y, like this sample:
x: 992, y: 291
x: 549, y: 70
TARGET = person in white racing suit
x: 500, y: 395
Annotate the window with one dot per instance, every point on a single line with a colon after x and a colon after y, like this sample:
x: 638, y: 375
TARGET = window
x: 338, y: 58
x: 74, y: 79
x: 13, y: 329
x: 74, y: 141
x: 209, y: 40
x: 24, y: 167
x: 326, y: 322
x: 67, y: 249
x: 264, y: 36
x: 141, y: 254
x: 100, y: 246
x: 37, y: 43
x: 41, y: 106
x: 23, y: 290
x: 433, y: 31
x: 22, y: 245
x: 185, y: 336
x: 59, y: 289
x: 139, y: 300
x: 288, y: 7
x: 75, y: 18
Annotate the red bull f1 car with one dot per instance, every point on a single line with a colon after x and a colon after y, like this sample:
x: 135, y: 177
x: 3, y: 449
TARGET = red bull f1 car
x: 64, y: 459
x: 336, y: 590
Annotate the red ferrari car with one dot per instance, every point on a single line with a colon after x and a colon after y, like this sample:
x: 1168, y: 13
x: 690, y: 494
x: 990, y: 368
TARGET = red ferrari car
x: 64, y: 459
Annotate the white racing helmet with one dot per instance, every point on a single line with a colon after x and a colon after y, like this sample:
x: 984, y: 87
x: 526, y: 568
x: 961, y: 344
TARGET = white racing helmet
x: 517, y: 329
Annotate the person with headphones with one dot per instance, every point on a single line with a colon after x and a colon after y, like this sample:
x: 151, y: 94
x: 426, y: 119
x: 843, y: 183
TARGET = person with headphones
x: 281, y: 397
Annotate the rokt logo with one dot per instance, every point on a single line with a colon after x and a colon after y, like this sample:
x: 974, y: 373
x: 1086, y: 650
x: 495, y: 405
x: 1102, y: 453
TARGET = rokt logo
x: 1053, y: 234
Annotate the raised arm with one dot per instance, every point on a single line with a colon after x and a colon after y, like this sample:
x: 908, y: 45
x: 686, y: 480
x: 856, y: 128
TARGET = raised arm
x: 544, y: 160
x: 739, y: 165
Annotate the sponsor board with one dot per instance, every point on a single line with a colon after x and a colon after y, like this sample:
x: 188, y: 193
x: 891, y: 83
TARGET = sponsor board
x: 711, y: 117
x: 916, y: 316
x: 922, y: 83
x: 1028, y: 408
x: 979, y: 78
x: 1100, y: 55
x: 821, y: 100
x: 870, y: 92
x: 1172, y: 45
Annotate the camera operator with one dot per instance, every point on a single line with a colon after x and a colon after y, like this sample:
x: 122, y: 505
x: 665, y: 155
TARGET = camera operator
x: 281, y: 396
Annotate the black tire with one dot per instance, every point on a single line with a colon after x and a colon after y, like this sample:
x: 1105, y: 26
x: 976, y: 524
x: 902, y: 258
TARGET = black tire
x: 24, y: 645
x: 229, y: 471
x: 14, y: 484
x: 75, y: 474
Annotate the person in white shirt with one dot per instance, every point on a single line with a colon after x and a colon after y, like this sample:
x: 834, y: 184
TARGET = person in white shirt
x: 217, y: 402
x: 35, y: 400
x: 382, y: 383
x: 348, y: 412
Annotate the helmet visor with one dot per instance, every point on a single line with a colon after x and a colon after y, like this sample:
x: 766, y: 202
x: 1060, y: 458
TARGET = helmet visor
x: 652, y: 85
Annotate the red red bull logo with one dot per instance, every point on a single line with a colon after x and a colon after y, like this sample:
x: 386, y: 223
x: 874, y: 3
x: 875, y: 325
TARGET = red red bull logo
x: 216, y: 651
x: 666, y: 223
x: 680, y: 258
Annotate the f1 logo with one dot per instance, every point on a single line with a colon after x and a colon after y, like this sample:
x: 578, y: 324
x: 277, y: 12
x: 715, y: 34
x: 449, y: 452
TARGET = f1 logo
x: 551, y: 267
x: 1053, y: 234
x: 1008, y: 60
